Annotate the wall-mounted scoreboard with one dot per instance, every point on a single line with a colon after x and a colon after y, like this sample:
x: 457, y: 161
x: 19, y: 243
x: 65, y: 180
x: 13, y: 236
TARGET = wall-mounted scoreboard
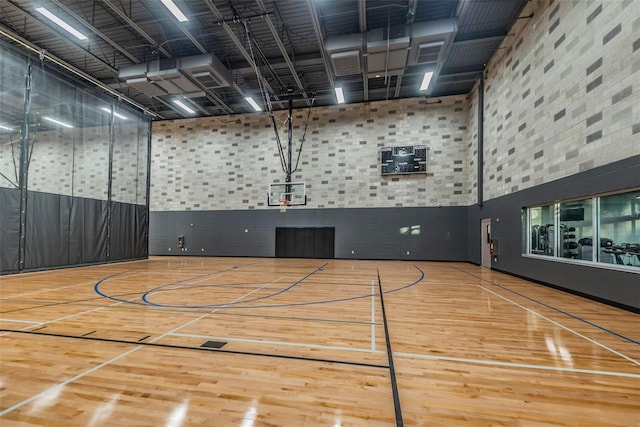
x: 403, y: 159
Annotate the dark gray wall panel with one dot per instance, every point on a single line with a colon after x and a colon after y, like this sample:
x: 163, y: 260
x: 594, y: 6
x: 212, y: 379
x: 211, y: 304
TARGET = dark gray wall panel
x: 128, y: 231
x: 9, y: 228
x: 359, y: 233
x: 47, y: 230
x: 87, y: 242
x: 615, y: 286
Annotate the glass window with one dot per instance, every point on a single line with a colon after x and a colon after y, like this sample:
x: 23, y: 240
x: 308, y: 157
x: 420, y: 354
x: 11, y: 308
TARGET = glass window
x: 619, y: 223
x: 576, y: 230
x: 542, y: 230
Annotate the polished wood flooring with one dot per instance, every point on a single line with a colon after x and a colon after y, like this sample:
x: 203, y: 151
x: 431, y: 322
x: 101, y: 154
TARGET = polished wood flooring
x: 177, y: 341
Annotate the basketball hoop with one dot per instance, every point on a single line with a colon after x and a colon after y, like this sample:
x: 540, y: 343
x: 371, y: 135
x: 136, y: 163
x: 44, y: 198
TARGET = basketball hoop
x: 284, y: 203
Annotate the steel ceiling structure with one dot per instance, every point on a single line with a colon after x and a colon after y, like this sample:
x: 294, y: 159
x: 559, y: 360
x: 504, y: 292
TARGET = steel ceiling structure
x: 271, y: 50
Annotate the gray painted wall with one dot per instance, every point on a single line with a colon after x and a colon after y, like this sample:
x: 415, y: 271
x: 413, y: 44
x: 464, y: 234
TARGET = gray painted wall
x: 366, y: 233
x: 615, y: 286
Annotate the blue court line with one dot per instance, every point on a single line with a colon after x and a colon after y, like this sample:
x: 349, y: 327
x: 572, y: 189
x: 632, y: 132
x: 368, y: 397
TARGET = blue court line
x: 573, y: 316
x: 96, y: 287
x: 229, y: 306
x: 294, y: 284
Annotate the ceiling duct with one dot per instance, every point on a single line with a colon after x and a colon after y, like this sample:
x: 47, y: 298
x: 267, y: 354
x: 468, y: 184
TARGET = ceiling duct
x: 173, y: 76
x: 345, y: 53
x: 429, y: 53
x: 387, y: 51
x: 431, y: 40
x: 207, y: 70
x: 346, y: 63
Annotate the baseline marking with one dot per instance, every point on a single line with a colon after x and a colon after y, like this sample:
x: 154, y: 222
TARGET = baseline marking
x: 561, y: 325
x: 573, y: 316
x: 283, y: 343
x: 516, y: 365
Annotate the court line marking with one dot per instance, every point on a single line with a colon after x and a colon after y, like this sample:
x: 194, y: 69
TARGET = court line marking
x: 67, y: 381
x: 283, y: 343
x: 392, y: 371
x: 95, y: 368
x: 573, y: 316
x: 43, y: 290
x: 373, y: 317
x: 236, y: 301
x: 21, y: 321
x: 561, y: 326
x: 226, y: 306
x: 515, y: 365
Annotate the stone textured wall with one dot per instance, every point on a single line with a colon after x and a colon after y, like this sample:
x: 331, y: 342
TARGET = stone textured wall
x: 216, y: 164
x: 563, y: 94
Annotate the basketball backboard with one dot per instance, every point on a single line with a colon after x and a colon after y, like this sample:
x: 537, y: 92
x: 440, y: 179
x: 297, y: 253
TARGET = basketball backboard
x: 293, y: 192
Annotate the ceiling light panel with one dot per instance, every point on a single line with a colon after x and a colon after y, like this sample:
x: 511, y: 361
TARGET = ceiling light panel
x: 61, y: 23
x: 169, y: 4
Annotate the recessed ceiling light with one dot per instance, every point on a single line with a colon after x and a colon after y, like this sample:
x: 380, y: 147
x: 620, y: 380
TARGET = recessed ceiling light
x: 61, y: 23
x: 339, y: 95
x: 253, y: 103
x: 426, y: 80
x: 184, y: 106
x: 58, y: 122
x: 169, y: 4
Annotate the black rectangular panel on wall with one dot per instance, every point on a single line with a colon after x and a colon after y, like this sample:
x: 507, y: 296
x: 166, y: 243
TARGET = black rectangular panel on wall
x: 9, y: 228
x: 305, y: 242
x: 88, y: 243
x: 47, y: 230
x: 128, y: 238
x: 329, y: 242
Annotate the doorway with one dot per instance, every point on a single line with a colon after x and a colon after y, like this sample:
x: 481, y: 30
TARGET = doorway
x: 307, y: 242
x: 485, y: 242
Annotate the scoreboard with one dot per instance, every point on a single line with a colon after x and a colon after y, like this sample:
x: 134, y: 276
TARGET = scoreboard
x: 403, y: 159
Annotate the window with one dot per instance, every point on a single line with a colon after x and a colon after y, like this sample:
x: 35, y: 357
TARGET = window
x: 542, y: 230
x: 603, y: 229
x: 619, y: 224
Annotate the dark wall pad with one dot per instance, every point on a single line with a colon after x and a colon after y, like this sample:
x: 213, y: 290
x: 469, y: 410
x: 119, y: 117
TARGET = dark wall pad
x: 47, y: 230
x: 87, y: 242
x: 615, y: 286
x: 371, y: 233
x: 9, y: 228
x: 128, y: 231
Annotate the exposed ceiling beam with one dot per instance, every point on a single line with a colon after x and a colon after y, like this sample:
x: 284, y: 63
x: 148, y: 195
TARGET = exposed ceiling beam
x: 97, y: 32
x: 123, y: 16
x: 6, y: 32
x: 87, y: 52
x: 315, y: 22
x: 236, y: 41
x: 362, y: 24
x: 282, y: 48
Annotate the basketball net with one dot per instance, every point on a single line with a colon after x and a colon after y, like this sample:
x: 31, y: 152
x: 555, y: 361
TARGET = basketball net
x: 284, y: 203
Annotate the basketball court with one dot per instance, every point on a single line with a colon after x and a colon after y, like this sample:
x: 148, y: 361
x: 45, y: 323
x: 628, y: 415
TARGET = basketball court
x: 183, y: 341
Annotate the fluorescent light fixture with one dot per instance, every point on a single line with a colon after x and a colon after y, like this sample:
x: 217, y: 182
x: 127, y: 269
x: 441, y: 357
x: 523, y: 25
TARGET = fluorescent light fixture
x: 5, y: 128
x: 339, y: 95
x: 61, y: 23
x: 426, y: 80
x: 169, y: 4
x: 184, y: 106
x: 114, y: 113
x: 253, y: 103
x: 58, y: 122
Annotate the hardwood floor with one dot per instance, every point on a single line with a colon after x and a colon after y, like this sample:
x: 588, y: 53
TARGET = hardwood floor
x: 180, y: 341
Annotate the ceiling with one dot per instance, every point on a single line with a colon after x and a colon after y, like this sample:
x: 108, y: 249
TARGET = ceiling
x: 297, y: 50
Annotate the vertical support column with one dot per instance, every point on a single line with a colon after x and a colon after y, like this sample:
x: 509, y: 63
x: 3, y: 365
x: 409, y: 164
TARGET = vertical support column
x: 289, y: 149
x: 110, y: 182
x: 24, y: 167
x: 481, y: 142
x: 149, y: 126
